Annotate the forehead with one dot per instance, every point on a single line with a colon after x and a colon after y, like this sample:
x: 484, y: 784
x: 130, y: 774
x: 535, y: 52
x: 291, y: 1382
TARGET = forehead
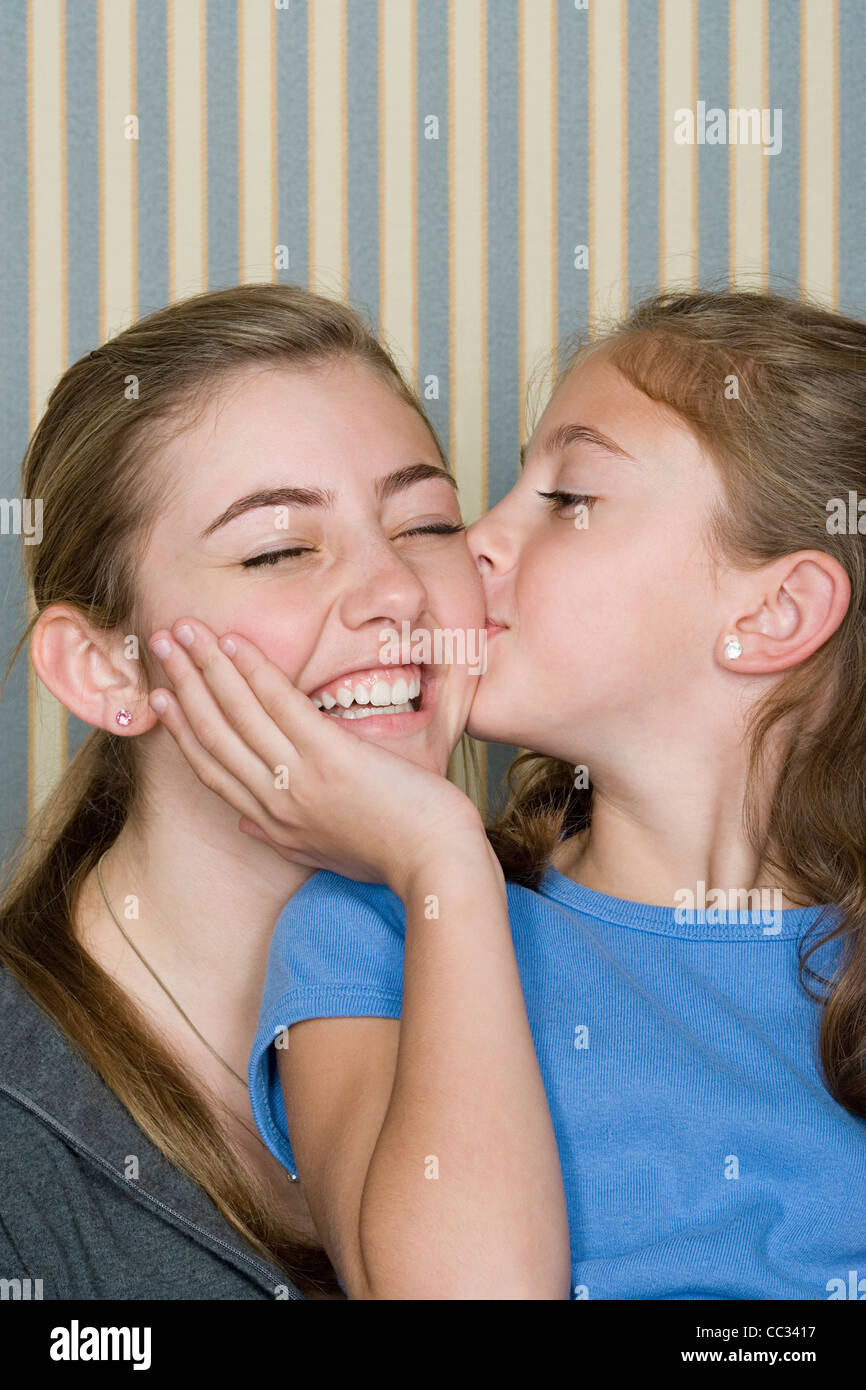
x: 324, y: 412
x: 338, y: 426
x: 596, y: 394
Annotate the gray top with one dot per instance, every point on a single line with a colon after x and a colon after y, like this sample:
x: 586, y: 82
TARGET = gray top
x: 69, y: 1215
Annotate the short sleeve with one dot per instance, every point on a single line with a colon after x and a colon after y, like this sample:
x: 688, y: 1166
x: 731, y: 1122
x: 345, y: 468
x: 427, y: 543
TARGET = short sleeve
x: 336, y: 952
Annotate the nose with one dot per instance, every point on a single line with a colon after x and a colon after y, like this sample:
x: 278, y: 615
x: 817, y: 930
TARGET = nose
x: 382, y: 589
x: 492, y: 541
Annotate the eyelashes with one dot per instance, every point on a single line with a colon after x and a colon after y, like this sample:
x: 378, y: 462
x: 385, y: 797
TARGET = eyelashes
x: 558, y: 500
x: 272, y: 557
x: 436, y: 528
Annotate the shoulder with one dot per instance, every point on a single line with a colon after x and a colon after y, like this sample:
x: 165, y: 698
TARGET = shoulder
x: 328, y: 895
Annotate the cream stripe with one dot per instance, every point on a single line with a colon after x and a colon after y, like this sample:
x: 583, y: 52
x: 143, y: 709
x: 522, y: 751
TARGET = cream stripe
x: 537, y: 212
x: 749, y: 166
x: 678, y: 173
x: 819, y: 38
x: 608, y: 50
x: 328, y: 205
x: 469, y: 249
x: 256, y: 135
x: 398, y: 201
x: 48, y: 315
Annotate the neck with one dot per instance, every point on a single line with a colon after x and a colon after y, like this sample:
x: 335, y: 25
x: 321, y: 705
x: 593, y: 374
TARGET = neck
x: 670, y: 819
x: 199, y: 899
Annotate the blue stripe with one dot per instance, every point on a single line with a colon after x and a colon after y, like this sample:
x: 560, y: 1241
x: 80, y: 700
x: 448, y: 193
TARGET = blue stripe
x: 643, y: 151
x: 82, y: 175
x: 222, y: 143
x: 852, y: 166
x: 432, y: 208
x: 362, y: 117
x: 152, y: 100
x: 783, y: 198
x: 713, y: 160
x: 14, y: 411
x: 293, y: 185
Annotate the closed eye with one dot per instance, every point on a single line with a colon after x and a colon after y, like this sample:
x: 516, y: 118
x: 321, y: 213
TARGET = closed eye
x: 270, y: 557
x: 558, y: 501
x: 436, y: 528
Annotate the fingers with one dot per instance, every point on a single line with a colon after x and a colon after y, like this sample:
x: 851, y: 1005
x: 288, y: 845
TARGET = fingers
x: 205, y: 722
x: 232, y: 692
x: 207, y: 768
x: 292, y: 711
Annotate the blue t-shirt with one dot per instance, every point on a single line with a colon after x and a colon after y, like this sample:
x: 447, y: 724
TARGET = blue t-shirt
x: 702, y: 1155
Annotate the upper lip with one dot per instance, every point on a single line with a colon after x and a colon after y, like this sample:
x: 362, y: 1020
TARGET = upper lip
x: 375, y: 664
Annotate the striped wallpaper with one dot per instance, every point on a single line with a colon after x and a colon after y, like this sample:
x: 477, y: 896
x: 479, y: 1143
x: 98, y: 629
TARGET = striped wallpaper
x: 485, y: 176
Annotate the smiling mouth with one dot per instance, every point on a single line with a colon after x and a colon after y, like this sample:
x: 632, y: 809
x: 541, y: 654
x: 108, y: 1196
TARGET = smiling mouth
x: 373, y: 691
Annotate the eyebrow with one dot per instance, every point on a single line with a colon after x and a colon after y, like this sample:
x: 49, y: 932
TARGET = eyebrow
x: 564, y: 435
x: 392, y: 483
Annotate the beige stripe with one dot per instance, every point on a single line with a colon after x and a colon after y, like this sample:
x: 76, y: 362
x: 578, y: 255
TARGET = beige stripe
x: 537, y: 206
x: 819, y: 156
x: 256, y: 103
x: 48, y: 314
x: 397, y: 200
x: 327, y: 148
x: 678, y: 174
x: 749, y: 166
x: 608, y: 249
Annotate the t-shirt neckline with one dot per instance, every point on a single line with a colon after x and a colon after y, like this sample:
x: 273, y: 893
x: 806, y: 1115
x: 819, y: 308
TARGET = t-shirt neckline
x: 694, y: 924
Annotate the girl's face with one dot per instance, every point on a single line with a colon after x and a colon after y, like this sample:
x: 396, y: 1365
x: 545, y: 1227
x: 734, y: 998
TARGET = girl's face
x: 310, y: 512
x: 602, y: 604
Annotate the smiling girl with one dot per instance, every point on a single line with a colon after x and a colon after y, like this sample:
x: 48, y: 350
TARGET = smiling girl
x: 273, y: 472
x: 688, y: 668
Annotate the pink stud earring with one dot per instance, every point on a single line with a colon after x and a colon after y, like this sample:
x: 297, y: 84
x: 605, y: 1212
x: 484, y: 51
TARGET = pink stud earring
x: 123, y: 717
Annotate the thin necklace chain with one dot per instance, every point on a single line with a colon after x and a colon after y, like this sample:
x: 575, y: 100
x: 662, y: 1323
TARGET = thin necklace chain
x: 165, y: 989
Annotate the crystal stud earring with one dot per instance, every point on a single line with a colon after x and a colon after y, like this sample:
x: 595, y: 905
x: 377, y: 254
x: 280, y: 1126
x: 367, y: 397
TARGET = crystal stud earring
x: 123, y: 717
x: 733, y: 649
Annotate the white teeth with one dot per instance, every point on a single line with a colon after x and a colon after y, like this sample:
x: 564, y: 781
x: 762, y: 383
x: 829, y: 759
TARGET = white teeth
x: 383, y: 694
x: 365, y: 712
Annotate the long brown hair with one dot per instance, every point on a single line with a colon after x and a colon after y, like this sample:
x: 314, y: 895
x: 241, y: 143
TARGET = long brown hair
x: 775, y: 390
x: 92, y: 462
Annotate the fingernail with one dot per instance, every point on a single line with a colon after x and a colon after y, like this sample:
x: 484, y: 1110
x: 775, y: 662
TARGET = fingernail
x: 161, y: 648
x: 228, y: 646
x: 184, y: 635
x: 159, y: 703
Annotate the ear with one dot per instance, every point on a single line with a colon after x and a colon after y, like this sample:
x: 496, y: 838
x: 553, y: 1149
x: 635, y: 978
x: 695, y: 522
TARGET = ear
x: 92, y: 672
x: 800, y: 603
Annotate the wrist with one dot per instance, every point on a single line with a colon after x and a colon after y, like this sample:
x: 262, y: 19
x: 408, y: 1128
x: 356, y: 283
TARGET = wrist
x: 461, y: 853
